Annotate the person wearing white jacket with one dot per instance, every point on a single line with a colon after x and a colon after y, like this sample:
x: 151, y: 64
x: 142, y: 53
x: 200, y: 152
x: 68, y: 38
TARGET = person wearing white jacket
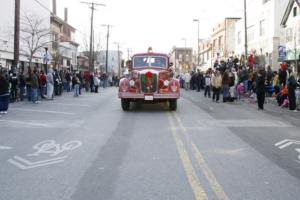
x: 50, y: 84
x: 232, y: 89
x: 187, y: 79
x: 96, y: 83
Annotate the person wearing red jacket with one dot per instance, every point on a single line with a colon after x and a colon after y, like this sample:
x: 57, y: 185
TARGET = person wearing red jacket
x: 42, y: 84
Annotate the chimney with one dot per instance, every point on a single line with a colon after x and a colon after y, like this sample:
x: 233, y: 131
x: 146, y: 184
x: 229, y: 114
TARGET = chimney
x: 66, y: 15
x: 54, y: 6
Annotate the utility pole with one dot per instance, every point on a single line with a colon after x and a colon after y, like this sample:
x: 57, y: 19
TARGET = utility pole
x: 16, y: 35
x: 246, y: 39
x: 107, y: 42
x: 106, y: 57
x: 119, y: 63
x: 91, y: 59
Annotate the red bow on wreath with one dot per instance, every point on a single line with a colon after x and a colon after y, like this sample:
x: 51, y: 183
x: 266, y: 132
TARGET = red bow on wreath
x: 149, y: 75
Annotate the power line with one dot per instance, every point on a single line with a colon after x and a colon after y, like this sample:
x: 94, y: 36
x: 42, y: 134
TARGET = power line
x: 42, y: 5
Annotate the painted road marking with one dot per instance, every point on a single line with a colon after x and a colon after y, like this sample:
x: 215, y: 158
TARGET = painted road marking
x: 26, y: 164
x: 42, y: 111
x: 69, y: 104
x: 49, y: 147
x: 22, y: 123
x: 42, y: 123
x: 285, y: 143
x: 242, y: 123
x: 5, y: 148
x: 53, y: 149
x: 194, y: 182
x: 215, y: 185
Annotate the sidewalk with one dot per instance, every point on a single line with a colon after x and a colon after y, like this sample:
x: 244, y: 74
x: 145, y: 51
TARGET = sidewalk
x: 271, y: 107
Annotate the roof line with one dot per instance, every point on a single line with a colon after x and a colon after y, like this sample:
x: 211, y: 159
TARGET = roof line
x: 287, y: 12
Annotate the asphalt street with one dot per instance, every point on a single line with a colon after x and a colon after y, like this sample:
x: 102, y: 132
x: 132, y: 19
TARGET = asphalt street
x: 89, y: 148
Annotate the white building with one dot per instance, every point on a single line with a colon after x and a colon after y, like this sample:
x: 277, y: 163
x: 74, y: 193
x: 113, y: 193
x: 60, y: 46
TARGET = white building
x: 263, y: 30
x: 223, y: 38
x: 291, y: 24
x: 114, y: 60
x: 7, y: 10
x: 206, y: 61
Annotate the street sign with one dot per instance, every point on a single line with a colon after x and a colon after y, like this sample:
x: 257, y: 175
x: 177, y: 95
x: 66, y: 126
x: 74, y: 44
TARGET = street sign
x: 281, y: 53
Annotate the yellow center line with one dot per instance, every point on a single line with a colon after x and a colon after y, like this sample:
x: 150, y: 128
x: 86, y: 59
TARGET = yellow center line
x: 216, y: 187
x: 198, y: 190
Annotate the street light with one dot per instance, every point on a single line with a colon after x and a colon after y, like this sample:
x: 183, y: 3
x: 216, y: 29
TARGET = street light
x: 197, y: 20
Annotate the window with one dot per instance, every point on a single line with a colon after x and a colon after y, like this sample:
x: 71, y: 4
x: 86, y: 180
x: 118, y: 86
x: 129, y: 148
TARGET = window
x: 180, y: 57
x: 154, y: 61
x: 250, y: 33
x: 289, y: 35
x: 262, y: 27
x: 187, y: 57
x: 294, y: 11
x: 220, y: 42
x: 239, y: 37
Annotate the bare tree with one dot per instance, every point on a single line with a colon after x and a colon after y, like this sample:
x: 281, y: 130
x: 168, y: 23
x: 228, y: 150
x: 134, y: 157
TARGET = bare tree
x: 56, y: 54
x: 34, y: 35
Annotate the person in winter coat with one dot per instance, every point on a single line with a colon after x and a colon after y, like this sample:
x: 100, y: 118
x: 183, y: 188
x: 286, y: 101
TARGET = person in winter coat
x: 96, y: 83
x: 22, y: 85
x: 57, y: 83
x: 216, y: 84
x: 68, y: 80
x: 193, y: 81
x: 42, y: 83
x: 187, y: 79
x: 76, y: 85
x: 282, y: 74
x: 14, y: 87
x: 260, y: 88
x: 199, y: 78
x: 34, y: 86
x: 225, y: 85
x: 292, y: 85
x: 207, y: 84
x: 50, y: 84
x: 28, y: 84
x: 4, y: 94
x: 92, y: 82
x: 275, y: 83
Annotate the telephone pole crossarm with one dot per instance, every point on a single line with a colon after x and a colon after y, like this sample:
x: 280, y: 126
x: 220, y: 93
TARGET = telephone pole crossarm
x: 91, y: 59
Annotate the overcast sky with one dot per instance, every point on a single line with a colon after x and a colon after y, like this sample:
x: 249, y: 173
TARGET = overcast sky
x: 138, y: 24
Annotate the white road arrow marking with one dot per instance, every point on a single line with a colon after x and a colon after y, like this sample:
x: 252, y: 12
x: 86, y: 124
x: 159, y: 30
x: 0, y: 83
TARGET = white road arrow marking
x: 285, y: 143
x: 26, y: 164
x: 5, y: 148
